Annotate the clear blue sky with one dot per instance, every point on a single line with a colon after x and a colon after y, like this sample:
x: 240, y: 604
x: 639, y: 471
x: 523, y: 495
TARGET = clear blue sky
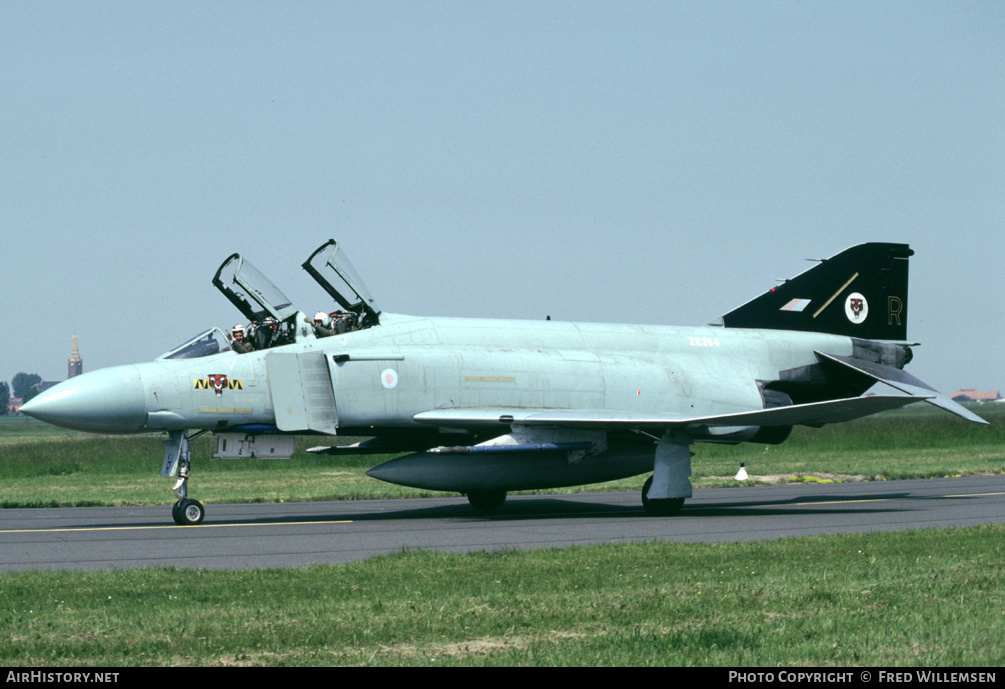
x: 655, y: 162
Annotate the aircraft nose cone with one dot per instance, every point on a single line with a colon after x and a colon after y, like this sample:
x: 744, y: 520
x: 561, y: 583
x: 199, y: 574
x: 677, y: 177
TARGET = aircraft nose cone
x: 109, y: 400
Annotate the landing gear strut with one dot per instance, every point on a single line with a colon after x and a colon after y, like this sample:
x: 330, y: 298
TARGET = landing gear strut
x: 178, y: 459
x: 664, y: 493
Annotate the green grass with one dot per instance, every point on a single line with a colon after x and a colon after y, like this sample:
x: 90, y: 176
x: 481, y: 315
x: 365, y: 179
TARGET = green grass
x: 45, y: 467
x: 919, y: 598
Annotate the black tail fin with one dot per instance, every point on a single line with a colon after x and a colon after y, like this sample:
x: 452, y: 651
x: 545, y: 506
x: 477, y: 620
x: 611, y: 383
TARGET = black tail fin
x: 861, y: 292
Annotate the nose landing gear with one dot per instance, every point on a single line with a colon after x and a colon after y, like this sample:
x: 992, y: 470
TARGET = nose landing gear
x: 178, y: 459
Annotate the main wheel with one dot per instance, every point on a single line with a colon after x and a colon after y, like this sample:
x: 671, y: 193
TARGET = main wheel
x: 487, y: 501
x: 668, y: 507
x: 188, y: 512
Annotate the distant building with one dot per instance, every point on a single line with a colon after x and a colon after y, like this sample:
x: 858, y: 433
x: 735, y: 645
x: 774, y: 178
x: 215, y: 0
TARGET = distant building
x: 971, y: 395
x: 75, y: 366
x: 14, y: 406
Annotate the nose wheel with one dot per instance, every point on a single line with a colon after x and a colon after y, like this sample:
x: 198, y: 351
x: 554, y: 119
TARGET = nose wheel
x: 188, y: 512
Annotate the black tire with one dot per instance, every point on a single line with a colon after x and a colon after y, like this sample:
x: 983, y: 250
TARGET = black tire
x: 188, y: 512
x: 669, y: 507
x: 488, y: 501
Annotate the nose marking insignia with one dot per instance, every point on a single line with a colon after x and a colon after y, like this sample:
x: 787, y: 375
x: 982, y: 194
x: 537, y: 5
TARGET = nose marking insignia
x: 217, y: 382
x: 389, y: 378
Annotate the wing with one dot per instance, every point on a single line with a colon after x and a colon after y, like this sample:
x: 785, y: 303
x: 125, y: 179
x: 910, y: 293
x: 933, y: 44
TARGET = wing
x: 498, y: 419
x: 813, y: 414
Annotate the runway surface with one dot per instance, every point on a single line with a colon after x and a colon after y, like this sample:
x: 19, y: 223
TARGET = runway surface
x: 292, y: 534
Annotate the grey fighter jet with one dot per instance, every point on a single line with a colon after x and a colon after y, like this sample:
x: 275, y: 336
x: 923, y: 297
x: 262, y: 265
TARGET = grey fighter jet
x: 483, y: 407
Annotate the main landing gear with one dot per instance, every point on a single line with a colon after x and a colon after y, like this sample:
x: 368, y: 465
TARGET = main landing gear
x: 669, y: 507
x: 664, y: 493
x: 487, y: 501
x: 178, y: 459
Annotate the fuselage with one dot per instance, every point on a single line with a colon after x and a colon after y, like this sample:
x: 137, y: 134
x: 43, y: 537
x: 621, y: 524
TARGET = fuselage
x: 382, y: 376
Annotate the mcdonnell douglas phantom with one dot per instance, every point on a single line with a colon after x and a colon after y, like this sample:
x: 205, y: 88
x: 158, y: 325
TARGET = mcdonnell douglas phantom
x: 483, y: 406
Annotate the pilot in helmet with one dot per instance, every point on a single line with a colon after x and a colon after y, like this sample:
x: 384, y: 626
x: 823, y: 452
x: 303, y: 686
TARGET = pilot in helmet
x: 320, y: 329
x: 240, y: 345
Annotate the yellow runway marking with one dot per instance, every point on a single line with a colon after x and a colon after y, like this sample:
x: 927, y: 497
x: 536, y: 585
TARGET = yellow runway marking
x: 78, y: 529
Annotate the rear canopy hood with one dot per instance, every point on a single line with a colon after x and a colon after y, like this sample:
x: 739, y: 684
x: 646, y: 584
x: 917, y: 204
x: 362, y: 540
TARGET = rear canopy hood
x: 331, y: 269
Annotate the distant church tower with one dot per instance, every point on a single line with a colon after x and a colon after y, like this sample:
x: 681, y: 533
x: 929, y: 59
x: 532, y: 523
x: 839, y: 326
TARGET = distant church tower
x: 75, y: 366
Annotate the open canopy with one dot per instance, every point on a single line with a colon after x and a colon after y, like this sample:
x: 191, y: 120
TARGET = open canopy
x: 331, y: 269
x: 251, y: 292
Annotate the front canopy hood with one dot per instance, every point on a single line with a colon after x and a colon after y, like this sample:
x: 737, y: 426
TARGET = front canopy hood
x: 251, y: 292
